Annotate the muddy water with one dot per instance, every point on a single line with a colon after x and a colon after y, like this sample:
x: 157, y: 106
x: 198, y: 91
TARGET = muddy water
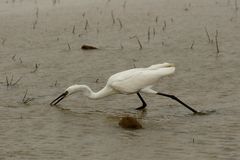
x: 38, y: 32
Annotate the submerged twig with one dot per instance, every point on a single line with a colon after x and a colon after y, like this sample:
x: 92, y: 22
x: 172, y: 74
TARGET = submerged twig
x: 140, y: 45
x: 120, y: 23
x: 20, y: 60
x: 7, y: 82
x: 35, y: 69
x: 154, y: 32
x: 56, y: 83
x: 83, y: 15
x: 3, y: 40
x: 164, y: 25
x: 25, y: 99
x: 121, y: 46
x: 134, y: 60
x: 10, y: 82
x: 37, y: 12
x: 193, y: 42
x: 86, y: 25
x: 69, y: 47
x: 156, y: 19
x: 97, y: 80
x: 13, y: 57
x: 73, y: 30
x: 113, y: 18
x: 209, y: 40
x: 35, y: 24
x: 149, y: 34
x: 16, y: 81
x: 216, y: 40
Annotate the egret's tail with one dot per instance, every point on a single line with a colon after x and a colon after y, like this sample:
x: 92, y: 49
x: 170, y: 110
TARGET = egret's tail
x: 166, y: 71
x: 162, y: 65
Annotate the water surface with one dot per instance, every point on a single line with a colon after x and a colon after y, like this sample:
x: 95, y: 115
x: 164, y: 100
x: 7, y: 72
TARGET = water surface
x: 38, y: 32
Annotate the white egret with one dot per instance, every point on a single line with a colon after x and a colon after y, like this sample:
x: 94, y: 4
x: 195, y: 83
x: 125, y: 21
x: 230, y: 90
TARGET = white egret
x: 133, y: 81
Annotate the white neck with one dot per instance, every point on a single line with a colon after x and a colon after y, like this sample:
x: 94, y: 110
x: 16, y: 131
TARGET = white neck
x: 89, y: 93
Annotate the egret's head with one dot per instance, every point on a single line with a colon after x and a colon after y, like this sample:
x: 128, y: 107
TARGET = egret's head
x: 70, y: 90
x: 73, y: 89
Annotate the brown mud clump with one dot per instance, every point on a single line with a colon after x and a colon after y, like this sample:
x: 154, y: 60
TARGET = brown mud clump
x: 88, y: 47
x: 129, y: 123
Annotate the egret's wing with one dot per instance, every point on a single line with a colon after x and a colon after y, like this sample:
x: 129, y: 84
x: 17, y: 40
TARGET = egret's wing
x: 133, y: 81
x: 123, y: 81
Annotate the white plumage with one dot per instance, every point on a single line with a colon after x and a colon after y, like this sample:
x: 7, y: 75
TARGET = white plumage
x: 137, y: 80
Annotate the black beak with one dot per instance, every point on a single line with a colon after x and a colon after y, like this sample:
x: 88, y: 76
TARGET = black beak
x: 59, y: 98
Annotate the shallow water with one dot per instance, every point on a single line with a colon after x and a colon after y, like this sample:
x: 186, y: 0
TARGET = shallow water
x: 87, y: 129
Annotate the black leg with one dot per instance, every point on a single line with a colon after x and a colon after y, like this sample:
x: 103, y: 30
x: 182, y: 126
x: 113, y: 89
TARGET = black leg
x: 144, y: 104
x: 179, y: 101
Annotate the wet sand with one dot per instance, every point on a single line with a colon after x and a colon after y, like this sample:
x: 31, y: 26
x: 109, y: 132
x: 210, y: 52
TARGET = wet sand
x: 40, y: 45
